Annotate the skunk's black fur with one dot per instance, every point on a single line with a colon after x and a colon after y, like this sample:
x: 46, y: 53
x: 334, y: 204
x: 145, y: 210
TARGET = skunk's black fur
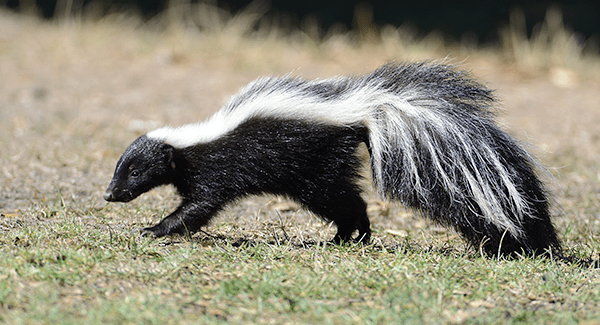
x: 429, y: 130
x: 314, y: 164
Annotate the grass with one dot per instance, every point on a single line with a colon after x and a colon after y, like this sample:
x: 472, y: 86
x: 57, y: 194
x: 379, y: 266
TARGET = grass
x: 65, y: 272
x: 551, y: 46
x: 79, y: 92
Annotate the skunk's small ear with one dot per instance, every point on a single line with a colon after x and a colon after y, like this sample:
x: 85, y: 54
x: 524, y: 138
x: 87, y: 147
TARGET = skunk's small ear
x: 169, y: 154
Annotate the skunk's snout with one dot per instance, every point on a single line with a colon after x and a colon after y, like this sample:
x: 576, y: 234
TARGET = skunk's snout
x: 108, y: 196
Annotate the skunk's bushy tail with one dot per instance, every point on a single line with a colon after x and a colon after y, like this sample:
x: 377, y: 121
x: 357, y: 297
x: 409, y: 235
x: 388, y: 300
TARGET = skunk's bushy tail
x: 435, y: 147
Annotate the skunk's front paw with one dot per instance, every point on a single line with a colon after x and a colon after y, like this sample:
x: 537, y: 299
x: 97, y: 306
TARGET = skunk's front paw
x: 155, y: 231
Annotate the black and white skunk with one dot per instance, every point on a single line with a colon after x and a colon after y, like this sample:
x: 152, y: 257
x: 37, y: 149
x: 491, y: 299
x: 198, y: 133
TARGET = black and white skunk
x: 429, y: 130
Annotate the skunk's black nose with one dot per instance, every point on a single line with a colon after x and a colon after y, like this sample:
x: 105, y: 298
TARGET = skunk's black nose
x: 108, y: 196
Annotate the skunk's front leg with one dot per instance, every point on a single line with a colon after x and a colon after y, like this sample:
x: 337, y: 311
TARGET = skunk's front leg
x: 187, y: 219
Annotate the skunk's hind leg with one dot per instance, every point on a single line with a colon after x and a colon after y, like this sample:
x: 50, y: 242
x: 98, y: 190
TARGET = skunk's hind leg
x: 351, y: 223
x: 347, y: 210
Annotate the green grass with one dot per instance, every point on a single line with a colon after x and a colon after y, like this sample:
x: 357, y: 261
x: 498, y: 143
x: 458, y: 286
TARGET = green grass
x: 60, y: 271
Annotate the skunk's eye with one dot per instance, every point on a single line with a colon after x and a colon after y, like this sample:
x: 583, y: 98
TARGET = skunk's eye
x: 134, y: 173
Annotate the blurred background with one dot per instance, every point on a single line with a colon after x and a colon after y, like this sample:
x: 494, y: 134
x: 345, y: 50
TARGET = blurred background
x: 479, y: 21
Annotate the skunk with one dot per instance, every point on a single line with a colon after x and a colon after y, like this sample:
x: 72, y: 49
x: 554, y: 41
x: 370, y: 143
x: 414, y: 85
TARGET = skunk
x: 430, y: 131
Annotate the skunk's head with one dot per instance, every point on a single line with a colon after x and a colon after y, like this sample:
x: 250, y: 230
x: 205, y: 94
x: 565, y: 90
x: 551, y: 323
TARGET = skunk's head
x: 145, y: 164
